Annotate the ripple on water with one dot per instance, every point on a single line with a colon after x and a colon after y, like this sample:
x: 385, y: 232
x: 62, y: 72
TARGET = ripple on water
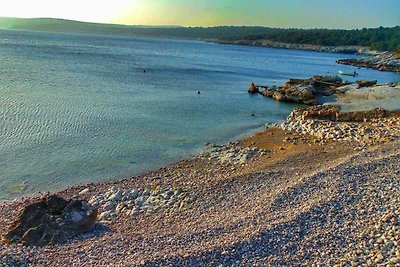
x: 77, y: 109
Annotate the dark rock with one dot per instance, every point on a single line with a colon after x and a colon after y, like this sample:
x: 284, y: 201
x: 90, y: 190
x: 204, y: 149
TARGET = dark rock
x: 323, y: 81
x: 366, y: 83
x: 56, y: 204
x: 253, y: 89
x: 52, y: 220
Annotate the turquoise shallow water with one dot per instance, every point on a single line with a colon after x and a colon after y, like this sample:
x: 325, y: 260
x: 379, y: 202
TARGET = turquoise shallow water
x: 77, y: 109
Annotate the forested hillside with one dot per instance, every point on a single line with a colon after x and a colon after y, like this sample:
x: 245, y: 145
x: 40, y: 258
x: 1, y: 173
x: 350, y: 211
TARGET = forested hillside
x: 378, y: 38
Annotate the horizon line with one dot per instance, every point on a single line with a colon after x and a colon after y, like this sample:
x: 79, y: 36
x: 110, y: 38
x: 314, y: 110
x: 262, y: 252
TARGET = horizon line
x: 183, y: 26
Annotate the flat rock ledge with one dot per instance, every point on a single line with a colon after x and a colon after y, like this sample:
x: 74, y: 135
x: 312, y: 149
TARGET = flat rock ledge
x: 53, y: 220
x: 333, y: 113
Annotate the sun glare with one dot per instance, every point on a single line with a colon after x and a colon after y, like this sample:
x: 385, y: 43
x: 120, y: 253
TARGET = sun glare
x: 85, y: 10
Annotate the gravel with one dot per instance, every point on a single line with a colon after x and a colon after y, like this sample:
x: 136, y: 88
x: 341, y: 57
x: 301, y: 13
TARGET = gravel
x: 359, y: 134
x: 325, y: 207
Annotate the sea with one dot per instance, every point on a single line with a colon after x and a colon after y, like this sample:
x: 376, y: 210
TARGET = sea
x: 79, y: 108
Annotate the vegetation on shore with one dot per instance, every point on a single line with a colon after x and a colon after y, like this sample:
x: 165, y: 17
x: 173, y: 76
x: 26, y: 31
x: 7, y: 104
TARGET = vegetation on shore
x: 383, y: 39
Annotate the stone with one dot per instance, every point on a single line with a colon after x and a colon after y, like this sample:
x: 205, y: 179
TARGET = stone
x: 366, y: 83
x: 253, y: 89
x: 379, y: 257
x: 52, y: 220
x: 395, y: 260
x: 84, y: 191
x: 116, y: 196
x: 109, y: 206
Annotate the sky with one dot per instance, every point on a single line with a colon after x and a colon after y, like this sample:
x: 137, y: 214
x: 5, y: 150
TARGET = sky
x: 273, y: 13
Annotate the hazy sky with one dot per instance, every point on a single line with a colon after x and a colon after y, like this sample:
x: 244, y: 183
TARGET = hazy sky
x: 274, y: 13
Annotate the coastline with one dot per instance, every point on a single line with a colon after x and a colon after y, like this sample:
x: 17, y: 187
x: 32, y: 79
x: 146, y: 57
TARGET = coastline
x: 383, y: 62
x: 280, y: 196
x: 261, y: 188
x: 358, y: 50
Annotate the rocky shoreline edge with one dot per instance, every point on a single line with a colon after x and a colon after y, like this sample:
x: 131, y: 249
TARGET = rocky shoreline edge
x: 359, y: 50
x: 319, y: 189
x: 383, y: 62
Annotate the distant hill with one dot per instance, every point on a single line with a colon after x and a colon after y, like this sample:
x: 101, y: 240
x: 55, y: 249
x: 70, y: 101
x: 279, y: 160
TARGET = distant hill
x: 378, y: 38
x: 61, y: 25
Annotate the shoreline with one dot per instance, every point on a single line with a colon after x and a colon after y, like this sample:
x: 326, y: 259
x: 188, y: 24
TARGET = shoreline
x: 383, y: 62
x: 356, y: 50
x: 278, y: 197
x: 237, y: 137
x: 230, y: 197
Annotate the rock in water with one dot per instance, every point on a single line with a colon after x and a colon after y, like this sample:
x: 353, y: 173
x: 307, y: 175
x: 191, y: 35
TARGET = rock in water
x: 53, y: 220
x: 253, y: 89
x: 306, y: 91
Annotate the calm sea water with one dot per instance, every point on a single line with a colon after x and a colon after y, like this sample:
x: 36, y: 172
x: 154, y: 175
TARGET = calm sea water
x: 77, y: 109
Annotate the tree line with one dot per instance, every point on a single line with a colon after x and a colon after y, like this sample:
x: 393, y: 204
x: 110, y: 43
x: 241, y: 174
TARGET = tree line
x: 383, y: 39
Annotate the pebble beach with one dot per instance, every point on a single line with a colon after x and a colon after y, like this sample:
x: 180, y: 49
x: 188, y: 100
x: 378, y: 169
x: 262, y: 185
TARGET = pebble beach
x: 310, y: 192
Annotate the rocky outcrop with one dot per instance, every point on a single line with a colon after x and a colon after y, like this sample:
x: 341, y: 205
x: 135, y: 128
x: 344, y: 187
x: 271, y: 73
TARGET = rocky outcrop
x: 366, y: 83
x: 384, y: 62
x: 253, y: 89
x: 52, y: 220
x: 332, y: 113
x: 305, y: 91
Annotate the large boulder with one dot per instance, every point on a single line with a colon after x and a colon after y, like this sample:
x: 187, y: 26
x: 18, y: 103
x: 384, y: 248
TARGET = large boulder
x: 50, y: 221
x: 300, y: 93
